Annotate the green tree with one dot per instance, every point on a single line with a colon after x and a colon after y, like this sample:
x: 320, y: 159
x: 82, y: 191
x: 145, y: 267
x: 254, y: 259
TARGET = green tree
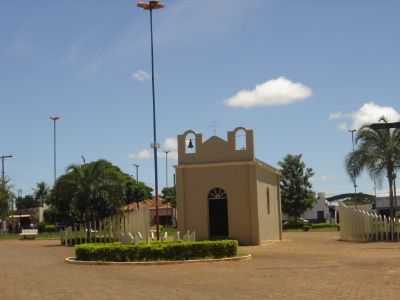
x: 27, y: 202
x: 89, y: 192
x: 6, y: 196
x: 296, y: 188
x: 41, y: 193
x: 378, y: 152
x: 137, y: 192
x: 169, y: 195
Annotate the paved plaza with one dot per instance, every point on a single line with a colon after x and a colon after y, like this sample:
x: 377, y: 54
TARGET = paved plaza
x: 306, y: 265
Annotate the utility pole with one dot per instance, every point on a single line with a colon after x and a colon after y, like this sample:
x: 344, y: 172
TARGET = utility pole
x: 352, y: 131
x: 166, y: 166
x: 54, y: 119
x: 137, y: 172
x: 150, y: 6
x: 3, y: 158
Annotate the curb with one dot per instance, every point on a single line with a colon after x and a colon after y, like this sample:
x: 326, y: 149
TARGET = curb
x: 72, y: 260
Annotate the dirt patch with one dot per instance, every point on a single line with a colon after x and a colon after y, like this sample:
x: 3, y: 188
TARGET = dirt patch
x: 306, y: 265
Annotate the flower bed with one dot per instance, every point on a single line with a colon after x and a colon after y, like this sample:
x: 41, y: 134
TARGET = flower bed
x: 156, y: 251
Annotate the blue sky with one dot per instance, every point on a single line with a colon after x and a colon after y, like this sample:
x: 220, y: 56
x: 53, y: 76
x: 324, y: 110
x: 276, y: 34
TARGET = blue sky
x: 87, y: 61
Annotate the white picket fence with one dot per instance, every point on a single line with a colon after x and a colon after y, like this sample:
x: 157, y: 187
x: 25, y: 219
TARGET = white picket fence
x: 364, y: 226
x: 128, y: 227
x: 114, y: 228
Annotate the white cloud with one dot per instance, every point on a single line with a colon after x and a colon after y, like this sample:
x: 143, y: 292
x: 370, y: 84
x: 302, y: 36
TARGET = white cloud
x: 141, y: 75
x: 142, y: 155
x: 169, y: 144
x: 335, y: 115
x: 326, y: 178
x: 368, y: 113
x: 343, y: 126
x: 279, y: 91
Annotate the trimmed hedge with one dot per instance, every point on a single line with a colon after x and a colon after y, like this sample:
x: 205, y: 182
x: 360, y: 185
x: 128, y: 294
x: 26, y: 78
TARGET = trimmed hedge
x: 324, y: 225
x: 293, y: 225
x: 177, y: 250
x: 42, y: 227
x: 309, y: 226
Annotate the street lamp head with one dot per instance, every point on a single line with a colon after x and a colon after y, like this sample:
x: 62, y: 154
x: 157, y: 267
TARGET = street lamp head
x: 54, y: 118
x: 151, y: 5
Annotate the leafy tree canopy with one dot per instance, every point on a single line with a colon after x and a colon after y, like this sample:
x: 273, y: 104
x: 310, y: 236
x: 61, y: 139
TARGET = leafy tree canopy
x: 136, y: 192
x: 91, y: 191
x: 6, y: 196
x: 41, y: 192
x: 296, y: 188
x: 26, y: 202
x: 377, y: 152
x: 169, y: 195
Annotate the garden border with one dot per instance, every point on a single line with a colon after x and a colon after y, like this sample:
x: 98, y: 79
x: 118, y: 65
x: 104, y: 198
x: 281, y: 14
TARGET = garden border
x: 72, y: 260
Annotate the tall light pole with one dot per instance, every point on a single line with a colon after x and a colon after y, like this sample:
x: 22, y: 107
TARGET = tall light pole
x: 166, y: 166
x: 55, y: 119
x: 3, y: 158
x: 150, y: 6
x: 137, y: 172
x: 352, y: 131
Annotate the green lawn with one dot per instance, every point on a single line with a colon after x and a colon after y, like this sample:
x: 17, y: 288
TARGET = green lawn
x: 41, y: 236
x: 314, y: 227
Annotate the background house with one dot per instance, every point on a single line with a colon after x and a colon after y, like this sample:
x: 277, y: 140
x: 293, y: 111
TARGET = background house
x: 167, y: 214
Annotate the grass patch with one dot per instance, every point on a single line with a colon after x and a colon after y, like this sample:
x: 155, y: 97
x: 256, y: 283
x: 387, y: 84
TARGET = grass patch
x: 314, y: 227
x: 155, y: 251
x: 40, y: 236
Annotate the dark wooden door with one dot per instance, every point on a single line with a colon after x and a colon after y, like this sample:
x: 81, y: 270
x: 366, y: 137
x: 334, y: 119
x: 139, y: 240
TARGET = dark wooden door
x: 218, y: 214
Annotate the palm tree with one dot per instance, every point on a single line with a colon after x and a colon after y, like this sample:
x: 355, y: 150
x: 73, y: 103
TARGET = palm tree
x: 97, y: 189
x: 377, y: 152
x: 41, y: 192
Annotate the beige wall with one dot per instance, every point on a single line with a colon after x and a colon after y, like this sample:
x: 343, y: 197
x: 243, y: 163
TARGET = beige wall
x: 215, y: 149
x: 270, y: 222
x: 193, y: 199
x: 218, y: 164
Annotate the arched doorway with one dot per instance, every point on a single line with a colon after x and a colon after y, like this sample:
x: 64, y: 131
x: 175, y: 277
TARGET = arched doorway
x: 218, y: 213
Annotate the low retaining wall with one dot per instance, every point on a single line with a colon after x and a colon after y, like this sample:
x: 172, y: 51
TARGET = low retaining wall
x: 72, y: 260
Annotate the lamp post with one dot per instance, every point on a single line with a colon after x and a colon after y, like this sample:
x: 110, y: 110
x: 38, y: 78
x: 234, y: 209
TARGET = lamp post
x: 166, y: 167
x: 137, y: 172
x: 150, y: 6
x: 55, y: 119
x: 3, y: 158
x: 352, y: 131
x: 387, y: 126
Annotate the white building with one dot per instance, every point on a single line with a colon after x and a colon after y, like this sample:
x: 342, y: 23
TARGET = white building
x: 319, y: 213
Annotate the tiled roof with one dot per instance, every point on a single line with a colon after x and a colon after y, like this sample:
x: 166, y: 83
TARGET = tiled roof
x: 149, y: 203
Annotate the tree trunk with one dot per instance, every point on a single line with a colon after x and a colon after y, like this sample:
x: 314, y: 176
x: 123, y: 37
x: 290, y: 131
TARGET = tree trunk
x: 392, y: 208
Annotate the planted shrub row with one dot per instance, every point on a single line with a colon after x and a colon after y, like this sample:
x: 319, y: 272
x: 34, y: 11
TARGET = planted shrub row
x: 177, y: 250
x: 307, y: 226
x: 48, y: 228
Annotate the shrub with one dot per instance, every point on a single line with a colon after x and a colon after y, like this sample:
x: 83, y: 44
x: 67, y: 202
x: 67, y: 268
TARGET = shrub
x: 42, y: 227
x: 293, y: 225
x: 324, y: 225
x: 177, y: 250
